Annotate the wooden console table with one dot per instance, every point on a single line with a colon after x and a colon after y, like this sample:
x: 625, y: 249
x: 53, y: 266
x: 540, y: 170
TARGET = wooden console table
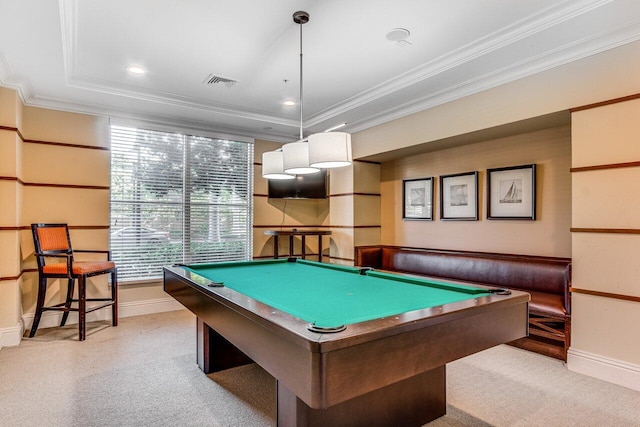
x: 292, y: 233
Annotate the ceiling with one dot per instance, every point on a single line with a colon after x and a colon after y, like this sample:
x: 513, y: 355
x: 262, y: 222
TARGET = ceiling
x: 73, y: 54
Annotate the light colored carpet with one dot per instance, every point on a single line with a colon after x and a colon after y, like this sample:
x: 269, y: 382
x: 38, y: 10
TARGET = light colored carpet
x: 143, y: 373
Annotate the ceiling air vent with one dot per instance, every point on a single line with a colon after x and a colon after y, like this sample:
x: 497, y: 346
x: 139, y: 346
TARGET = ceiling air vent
x: 213, y: 79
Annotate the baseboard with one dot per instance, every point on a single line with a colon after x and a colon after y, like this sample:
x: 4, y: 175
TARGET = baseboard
x: 52, y: 319
x: 603, y: 368
x: 10, y: 337
x: 139, y: 308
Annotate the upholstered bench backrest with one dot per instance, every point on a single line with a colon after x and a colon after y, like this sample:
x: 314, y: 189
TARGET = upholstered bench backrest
x: 535, y: 274
x: 529, y: 273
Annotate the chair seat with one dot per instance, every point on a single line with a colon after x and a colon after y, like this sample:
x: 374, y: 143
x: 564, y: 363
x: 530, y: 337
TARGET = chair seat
x: 79, y: 267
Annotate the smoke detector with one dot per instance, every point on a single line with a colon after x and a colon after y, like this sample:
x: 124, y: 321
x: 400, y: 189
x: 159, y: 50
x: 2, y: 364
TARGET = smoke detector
x: 398, y: 35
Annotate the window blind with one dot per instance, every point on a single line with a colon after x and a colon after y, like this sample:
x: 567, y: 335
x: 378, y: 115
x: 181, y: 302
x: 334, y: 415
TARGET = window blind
x: 178, y: 198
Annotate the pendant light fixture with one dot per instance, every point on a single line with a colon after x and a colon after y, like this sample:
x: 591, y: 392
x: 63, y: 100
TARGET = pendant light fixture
x: 273, y: 166
x: 296, y: 154
x: 306, y: 156
x: 330, y: 150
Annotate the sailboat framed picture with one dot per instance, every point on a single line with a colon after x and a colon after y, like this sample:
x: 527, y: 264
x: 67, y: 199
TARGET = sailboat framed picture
x: 511, y: 192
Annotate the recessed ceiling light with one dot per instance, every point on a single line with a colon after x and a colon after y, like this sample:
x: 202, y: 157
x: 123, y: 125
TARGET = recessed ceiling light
x: 289, y: 103
x: 135, y: 69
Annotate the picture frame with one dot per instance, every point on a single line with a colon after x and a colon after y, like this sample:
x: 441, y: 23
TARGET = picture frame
x: 511, y: 192
x: 459, y: 196
x: 417, y: 197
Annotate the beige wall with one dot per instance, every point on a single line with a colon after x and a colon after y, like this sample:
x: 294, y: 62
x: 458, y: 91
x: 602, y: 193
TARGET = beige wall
x: 608, y: 75
x: 606, y: 265
x: 70, y: 174
x: 355, y: 209
x: 272, y: 214
x: 10, y: 196
x: 548, y: 235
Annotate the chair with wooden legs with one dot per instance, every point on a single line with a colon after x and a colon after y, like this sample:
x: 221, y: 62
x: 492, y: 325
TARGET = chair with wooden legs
x: 52, y: 241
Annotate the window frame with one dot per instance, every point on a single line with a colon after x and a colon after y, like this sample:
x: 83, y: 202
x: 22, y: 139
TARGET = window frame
x: 186, y: 204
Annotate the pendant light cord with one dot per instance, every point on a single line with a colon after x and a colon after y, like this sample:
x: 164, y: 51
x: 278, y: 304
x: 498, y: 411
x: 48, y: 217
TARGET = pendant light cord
x: 301, y: 136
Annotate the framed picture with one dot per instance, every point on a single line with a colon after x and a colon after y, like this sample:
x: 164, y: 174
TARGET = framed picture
x: 511, y: 192
x: 417, y: 195
x: 459, y: 196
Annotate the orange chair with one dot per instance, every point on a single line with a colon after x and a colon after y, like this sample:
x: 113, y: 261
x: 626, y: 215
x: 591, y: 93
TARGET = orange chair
x: 52, y: 241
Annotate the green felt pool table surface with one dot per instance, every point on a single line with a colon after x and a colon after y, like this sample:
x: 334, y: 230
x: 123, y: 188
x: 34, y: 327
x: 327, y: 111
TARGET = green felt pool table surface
x: 329, y: 295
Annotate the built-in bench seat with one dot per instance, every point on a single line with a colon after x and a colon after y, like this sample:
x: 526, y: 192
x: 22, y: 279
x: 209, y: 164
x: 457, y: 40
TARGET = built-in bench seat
x: 546, y: 279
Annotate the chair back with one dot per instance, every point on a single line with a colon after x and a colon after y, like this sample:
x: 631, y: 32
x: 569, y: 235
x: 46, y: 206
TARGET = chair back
x: 50, y: 239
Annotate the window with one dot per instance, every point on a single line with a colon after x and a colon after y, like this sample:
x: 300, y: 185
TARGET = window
x: 178, y: 198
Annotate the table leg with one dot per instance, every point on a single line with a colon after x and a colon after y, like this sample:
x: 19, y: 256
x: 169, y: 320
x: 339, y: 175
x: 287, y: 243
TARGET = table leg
x: 214, y: 352
x: 411, y: 402
x: 304, y: 253
x: 275, y: 246
x: 290, y: 245
x: 319, y: 247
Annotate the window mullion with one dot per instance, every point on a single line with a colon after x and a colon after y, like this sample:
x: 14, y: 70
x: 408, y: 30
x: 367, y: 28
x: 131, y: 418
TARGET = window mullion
x: 186, y: 202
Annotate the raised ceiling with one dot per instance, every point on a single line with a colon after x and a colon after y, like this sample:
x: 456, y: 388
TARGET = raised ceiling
x: 73, y: 55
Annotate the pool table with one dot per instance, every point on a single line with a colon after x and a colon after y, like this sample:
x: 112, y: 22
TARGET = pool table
x: 347, y: 346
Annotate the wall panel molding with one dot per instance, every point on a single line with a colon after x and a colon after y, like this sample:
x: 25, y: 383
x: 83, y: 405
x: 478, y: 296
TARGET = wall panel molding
x: 608, y: 102
x: 71, y: 227
x: 11, y: 178
x: 12, y: 129
x: 46, y: 184
x: 316, y: 226
x: 605, y: 294
x: 606, y: 230
x: 605, y: 167
x: 64, y: 144
x: 81, y: 187
x: 333, y: 195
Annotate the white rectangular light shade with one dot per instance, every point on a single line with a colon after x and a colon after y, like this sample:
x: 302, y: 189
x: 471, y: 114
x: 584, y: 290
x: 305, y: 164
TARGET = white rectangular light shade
x: 272, y: 166
x: 295, y: 156
x: 330, y: 150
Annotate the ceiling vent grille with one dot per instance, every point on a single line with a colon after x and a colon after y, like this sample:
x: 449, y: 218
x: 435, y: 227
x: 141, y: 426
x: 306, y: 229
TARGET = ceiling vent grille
x: 213, y: 79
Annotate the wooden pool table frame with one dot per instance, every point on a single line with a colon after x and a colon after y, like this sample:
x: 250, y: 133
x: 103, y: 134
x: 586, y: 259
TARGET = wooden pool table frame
x: 383, y: 372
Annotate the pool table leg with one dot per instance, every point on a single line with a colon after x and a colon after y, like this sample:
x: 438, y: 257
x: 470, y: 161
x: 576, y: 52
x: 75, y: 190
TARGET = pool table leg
x: 215, y: 353
x: 411, y: 402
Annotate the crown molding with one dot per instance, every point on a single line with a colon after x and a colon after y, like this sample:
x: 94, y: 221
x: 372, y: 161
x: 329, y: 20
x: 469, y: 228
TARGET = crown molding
x: 578, y: 50
x: 13, y: 81
x: 517, y: 31
x: 166, y: 98
x: 134, y: 116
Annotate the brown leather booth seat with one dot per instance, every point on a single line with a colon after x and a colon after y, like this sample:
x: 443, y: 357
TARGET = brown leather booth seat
x: 546, y: 279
